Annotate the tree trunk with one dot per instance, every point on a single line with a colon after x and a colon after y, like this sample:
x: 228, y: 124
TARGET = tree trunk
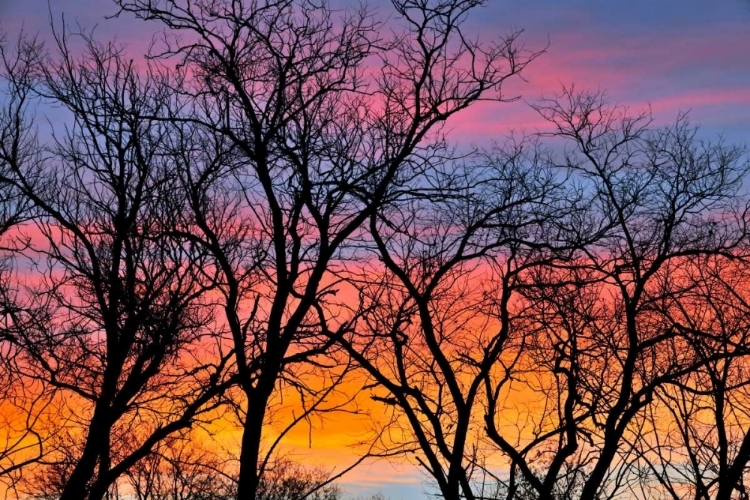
x: 252, y: 433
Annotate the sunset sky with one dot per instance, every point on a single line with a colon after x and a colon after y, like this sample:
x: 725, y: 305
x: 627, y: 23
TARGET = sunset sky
x: 672, y: 54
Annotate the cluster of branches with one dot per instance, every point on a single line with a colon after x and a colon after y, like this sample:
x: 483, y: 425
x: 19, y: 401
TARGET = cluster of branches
x: 266, y: 211
x: 569, y: 324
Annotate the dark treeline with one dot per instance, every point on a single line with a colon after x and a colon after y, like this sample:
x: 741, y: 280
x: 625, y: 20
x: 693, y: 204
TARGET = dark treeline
x: 265, y: 222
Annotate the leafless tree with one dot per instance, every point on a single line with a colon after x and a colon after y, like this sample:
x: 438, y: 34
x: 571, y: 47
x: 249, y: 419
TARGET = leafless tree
x: 269, y: 203
x: 313, y: 120
x: 573, y: 333
x: 22, y: 403
x: 697, y: 444
x: 568, y: 486
x: 115, y: 318
x: 441, y: 320
x: 18, y: 145
x: 656, y: 198
x: 180, y: 469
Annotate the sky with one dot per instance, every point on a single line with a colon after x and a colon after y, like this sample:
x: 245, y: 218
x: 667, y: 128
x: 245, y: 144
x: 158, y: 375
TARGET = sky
x: 674, y: 55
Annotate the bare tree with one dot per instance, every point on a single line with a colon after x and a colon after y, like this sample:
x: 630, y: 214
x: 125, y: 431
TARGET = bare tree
x: 699, y: 425
x: 180, y: 469
x: 18, y: 145
x: 270, y: 203
x: 291, y: 481
x: 568, y: 486
x: 441, y: 320
x: 313, y: 121
x: 657, y: 197
x: 23, y: 403
x: 116, y: 320
x: 581, y: 297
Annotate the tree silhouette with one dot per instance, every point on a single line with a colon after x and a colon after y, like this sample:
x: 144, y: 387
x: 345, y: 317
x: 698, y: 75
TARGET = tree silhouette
x: 23, y: 402
x: 306, y: 142
x: 656, y: 198
x: 440, y: 318
x: 115, y: 316
x: 265, y: 221
x: 699, y: 424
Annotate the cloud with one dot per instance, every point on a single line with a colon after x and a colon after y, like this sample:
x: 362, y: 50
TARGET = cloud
x: 704, y: 70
